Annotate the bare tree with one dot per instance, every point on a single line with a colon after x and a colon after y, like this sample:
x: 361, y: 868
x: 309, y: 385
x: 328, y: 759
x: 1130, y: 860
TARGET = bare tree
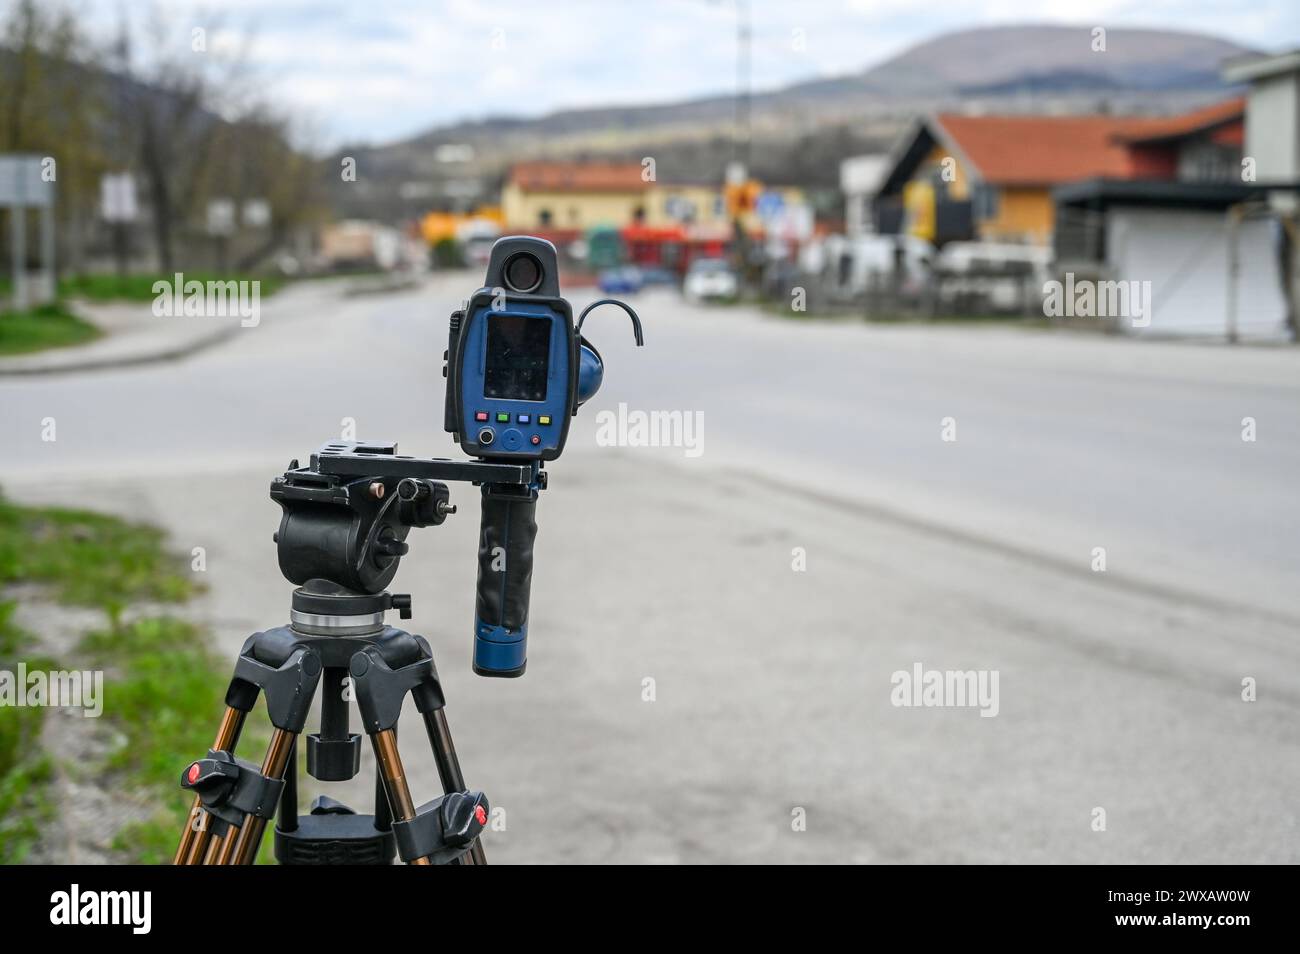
x: 200, y: 130
x: 49, y: 106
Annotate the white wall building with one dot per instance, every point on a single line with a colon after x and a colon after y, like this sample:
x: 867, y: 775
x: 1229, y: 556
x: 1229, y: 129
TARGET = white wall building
x: 860, y: 180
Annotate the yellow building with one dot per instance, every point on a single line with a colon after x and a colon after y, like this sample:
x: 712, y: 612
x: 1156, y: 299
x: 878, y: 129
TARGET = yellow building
x: 574, y: 195
x: 553, y: 195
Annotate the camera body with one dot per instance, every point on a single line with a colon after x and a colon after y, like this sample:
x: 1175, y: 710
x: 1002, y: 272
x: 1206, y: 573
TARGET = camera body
x: 513, y: 358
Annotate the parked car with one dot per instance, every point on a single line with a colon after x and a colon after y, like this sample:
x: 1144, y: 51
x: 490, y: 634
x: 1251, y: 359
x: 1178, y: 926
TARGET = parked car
x: 620, y: 281
x: 655, y: 275
x: 710, y: 278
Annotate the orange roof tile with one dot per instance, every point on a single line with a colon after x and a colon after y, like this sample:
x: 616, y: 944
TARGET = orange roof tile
x: 1219, y: 114
x: 1048, y: 150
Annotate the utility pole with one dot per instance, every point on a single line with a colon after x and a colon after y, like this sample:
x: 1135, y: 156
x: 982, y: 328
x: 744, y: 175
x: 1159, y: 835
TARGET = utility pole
x: 743, y: 135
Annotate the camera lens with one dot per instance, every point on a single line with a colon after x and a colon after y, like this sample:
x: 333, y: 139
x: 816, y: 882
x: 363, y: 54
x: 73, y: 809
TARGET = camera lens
x: 523, y: 272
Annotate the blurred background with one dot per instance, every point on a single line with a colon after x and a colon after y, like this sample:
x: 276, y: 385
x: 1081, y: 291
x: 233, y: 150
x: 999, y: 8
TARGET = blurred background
x: 978, y: 333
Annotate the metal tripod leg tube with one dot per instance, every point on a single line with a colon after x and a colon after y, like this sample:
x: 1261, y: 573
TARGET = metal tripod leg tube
x: 273, y: 766
x: 394, y: 776
x: 289, y: 796
x: 444, y: 755
x: 223, y: 848
x: 194, y: 841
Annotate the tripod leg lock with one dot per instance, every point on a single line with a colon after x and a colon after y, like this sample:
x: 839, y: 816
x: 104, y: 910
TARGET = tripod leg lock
x: 444, y: 829
x: 231, y: 789
x: 289, y: 684
x: 381, y: 689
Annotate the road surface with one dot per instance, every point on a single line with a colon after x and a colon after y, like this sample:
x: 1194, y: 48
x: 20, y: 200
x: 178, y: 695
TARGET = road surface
x: 772, y: 734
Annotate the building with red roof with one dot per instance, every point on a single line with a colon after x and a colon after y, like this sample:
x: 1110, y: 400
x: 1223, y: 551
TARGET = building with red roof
x: 957, y: 176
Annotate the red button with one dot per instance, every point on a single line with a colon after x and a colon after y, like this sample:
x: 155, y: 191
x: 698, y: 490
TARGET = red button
x: 536, y: 439
x: 480, y: 816
x: 194, y: 773
x: 480, y: 416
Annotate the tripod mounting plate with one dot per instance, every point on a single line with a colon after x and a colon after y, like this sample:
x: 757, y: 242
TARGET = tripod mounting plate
x: 356, y: 459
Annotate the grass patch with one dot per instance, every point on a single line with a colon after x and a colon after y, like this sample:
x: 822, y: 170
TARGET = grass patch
x: 113, y: 287
x: 25, y: 772
x: 167, y: 699
x: 164, y: 691
x: 89, y: 559
x: 164, y: 688
x: 24, y: 768
x: 42, y: 327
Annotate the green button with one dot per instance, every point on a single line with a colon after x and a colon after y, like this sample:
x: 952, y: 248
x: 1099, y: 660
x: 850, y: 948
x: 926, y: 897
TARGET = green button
x: 503, y: 418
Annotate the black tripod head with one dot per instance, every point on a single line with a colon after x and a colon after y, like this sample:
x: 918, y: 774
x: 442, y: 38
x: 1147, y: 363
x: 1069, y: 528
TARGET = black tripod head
x: 347, y: 529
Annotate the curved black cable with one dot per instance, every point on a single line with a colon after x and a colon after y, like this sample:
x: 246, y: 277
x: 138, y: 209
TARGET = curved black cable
x: 636, y: 322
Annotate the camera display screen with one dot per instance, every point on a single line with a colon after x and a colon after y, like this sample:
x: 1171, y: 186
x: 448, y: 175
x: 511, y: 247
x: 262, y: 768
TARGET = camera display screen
x: 518, y: 357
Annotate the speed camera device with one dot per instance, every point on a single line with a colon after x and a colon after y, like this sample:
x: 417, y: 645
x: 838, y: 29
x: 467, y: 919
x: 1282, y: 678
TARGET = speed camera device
x: 518, y: 368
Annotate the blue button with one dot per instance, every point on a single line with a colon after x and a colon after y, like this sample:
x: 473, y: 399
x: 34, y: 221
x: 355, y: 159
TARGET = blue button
x: 525, y: 419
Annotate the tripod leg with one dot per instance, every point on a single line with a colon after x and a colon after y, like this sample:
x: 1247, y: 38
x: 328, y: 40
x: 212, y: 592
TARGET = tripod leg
x: 394, y: 777
x: 383, y: 814
x: 444, y: 755
x: 289, y: 797
x: 249, y: 835
x: 194, y: 840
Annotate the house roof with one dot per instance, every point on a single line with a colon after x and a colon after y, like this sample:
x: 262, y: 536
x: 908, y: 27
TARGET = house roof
x: 552, y: 176
x: 1177, y: 127
x: 1050, y: 150
x: 1038, y: 150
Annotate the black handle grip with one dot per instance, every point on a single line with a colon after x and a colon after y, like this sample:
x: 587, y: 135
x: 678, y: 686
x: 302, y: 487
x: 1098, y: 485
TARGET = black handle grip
x: 505, y: 576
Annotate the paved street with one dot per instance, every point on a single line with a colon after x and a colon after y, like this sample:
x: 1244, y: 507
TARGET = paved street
x: 1118, y: 690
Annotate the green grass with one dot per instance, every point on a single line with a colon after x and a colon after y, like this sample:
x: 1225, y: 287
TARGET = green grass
x: 89, y: 559
x: 167, y: 692
x: 45, y: 326
x: 113, y: 287
x: 24, y: 769
x: 164, y: 689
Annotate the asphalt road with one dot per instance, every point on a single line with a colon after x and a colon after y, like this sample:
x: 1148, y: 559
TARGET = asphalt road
x: 1118, y: 690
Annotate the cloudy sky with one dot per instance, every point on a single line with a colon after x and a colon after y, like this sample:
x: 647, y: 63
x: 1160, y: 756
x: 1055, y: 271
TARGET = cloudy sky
x: 374, y: 70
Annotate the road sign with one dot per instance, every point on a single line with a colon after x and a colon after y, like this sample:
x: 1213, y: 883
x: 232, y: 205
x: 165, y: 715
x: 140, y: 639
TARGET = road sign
x: 117, y: 201
x: 257, y: 213
x: 26, y: 184
x: 769, y: 205
x: 221, y: 217
x: 22, y: 183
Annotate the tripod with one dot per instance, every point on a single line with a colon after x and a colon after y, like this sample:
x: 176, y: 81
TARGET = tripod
x: 334, y: 633
x: 342, y: 532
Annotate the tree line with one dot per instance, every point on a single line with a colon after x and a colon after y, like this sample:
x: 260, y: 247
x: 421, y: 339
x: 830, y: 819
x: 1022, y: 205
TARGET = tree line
x: 190, y: 123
